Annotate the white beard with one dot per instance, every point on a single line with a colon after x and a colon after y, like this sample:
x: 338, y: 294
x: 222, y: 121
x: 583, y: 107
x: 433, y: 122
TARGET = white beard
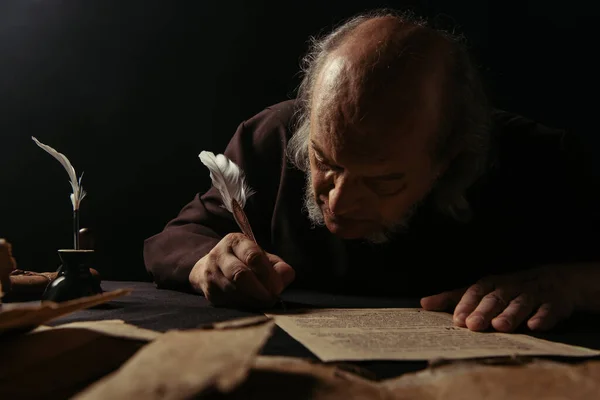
x: 315, y: 215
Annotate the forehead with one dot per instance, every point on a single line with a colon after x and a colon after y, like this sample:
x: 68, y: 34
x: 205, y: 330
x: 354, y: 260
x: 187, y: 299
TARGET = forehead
x: 365, y: 153
x: 356, y: 127
x: 371, y: 97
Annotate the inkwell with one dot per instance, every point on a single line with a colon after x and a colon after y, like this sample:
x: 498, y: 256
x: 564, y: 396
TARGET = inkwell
x: 74, y: 279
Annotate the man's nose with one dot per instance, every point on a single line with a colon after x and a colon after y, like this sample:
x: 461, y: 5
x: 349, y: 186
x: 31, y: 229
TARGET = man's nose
x: 345, y: 197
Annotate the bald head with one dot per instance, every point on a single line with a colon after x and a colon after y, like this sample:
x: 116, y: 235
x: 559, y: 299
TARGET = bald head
x: 388, y: 47
x: 384, y: 80
x: 386, y: 77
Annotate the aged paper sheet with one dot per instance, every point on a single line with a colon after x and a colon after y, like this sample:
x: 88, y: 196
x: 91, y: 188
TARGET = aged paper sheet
x: 28, y: 316
x: 110, y: 327
x: 539, y: 379
x: 406, y: 334
x: 184, y: 364
x: 34, y: 363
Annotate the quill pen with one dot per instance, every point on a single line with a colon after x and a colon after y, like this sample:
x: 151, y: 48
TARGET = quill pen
x: 228, y: 178
x: 78, y: 192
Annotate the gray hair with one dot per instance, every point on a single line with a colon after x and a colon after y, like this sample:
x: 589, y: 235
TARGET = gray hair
x: 465, y: 112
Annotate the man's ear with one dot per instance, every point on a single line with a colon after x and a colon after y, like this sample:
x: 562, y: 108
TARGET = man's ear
x: 441, y: 166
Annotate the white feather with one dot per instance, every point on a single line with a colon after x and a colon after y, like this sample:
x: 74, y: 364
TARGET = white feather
x: 227, y: 178
x: 78, y: 192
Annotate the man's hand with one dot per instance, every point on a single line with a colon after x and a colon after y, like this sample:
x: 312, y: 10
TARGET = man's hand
x: 237, y: 272
x: 541, y: 296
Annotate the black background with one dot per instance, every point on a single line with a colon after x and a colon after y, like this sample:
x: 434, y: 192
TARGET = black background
x: 132, y: 91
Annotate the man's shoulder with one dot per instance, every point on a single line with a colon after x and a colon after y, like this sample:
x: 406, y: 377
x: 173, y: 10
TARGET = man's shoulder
x: 274, y: 118
x: 520, y: 138
x: 510, y: 126
x: 264, y: 135
x: 283, y: 110
x: 533, y: 151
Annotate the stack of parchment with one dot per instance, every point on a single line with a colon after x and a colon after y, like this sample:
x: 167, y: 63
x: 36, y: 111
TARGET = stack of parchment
x: 114, y: 360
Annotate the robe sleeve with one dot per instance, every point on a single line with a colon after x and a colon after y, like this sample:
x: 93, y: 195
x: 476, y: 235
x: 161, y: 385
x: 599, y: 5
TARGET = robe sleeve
x: 258, y: 148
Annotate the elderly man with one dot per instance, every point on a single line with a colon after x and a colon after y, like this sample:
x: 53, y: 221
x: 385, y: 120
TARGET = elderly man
x: 390, y: 175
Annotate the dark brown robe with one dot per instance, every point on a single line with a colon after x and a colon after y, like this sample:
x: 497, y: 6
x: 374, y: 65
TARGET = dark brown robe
x: 537, y: 205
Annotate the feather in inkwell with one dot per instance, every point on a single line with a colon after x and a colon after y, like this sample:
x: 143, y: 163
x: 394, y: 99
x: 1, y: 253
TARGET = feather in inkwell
x: 78, y: 192
x: 228, y: 178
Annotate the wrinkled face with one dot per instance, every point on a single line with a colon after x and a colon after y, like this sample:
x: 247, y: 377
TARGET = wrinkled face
x: 369, y: 165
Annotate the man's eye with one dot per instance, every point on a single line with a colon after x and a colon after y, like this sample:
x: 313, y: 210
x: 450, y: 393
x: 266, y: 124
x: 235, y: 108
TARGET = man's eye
x: 321, y: 166
x: 324, y: 166
x: 387, y: 189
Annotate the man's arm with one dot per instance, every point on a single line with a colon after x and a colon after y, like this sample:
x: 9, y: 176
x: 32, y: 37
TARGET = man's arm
x: 170, y: 255
x: 562, y: 230
x: 258, y: 148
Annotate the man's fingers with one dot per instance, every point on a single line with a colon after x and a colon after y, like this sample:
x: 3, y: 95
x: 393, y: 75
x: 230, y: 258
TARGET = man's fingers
x: 517, y: 311
x: 220, y: 291
x: 243, y: 278
x: 442, y: 301
x: 217, y: 289
x: 488, y: 308
x: 547, y: 316
x: 470, y: 300
x: 256, y: 259
x: 285, y: 272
